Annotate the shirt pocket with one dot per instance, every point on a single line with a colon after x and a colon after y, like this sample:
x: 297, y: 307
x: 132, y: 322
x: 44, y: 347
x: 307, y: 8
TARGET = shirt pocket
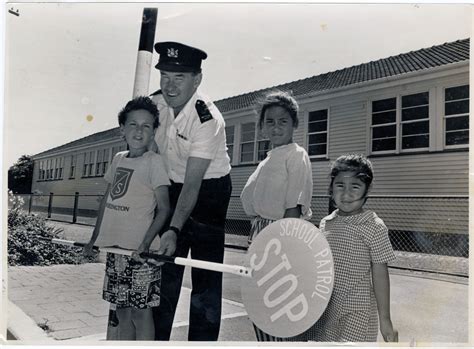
x: 183, y: 147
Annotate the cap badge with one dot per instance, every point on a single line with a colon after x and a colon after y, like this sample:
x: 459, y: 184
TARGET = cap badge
x: 172, y: 53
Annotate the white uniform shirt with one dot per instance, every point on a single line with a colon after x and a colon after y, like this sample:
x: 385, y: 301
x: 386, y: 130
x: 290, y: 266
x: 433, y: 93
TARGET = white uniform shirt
x: 190, y: 134
x: 283, y: 180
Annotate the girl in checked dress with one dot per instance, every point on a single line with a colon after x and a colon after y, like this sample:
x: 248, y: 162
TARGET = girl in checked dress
x: 361, y: 249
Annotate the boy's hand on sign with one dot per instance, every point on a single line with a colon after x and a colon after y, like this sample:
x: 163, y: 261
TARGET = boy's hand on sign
x: 136, y: 254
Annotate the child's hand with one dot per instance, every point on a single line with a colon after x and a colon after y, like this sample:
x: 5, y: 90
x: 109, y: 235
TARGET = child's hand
x: 388, y: 332
x: 88, y: 250
x: 136, y: 255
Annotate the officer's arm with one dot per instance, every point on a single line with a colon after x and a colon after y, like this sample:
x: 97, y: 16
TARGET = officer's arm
x: 195, y: 170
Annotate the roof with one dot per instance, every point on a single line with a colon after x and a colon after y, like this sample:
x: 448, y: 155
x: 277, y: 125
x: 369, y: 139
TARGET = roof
x: 426, y: 58
x: 99, y: 136
x: 413, y: 61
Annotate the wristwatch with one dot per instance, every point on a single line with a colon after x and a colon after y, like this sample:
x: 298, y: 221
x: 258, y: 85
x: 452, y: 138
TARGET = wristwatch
x: 176, y: 230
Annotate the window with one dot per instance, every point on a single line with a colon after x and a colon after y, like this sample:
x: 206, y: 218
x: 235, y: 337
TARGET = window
x: 318, y: 132
x: 263, y: 146
x: 102, y: 162
x: 88, y: 164
x: 395, y: 130
x: 100, y: 156
x: 456, y: 116
x: 40, y: 170
x: 105, y: 162
x: 118, y: 148
x: 91, y: 162
x: 247, y: 142
x: 48, y: 169
x: 72, y: 169
x: 254, y: 146
x: 56, y: 169
x: 229, y: 135
x: 384, y: 124
x: 61, y: 167
x: 415, y: 121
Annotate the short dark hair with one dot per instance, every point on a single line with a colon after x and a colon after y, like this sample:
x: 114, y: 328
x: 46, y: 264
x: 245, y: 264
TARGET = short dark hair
x: 280, y: 99
x: 140, y: 103
x: 356, y: 163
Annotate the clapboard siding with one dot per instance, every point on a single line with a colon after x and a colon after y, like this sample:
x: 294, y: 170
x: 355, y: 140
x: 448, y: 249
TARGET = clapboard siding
x: 422, y: 174
x: 239, y: 176
x: 299, y: 134
x: 320, y: 171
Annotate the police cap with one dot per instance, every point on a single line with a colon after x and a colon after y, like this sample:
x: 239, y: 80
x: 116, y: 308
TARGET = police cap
x: 176, y: 57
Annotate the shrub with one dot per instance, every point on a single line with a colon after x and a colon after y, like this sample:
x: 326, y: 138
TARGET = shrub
x: 24, y: 245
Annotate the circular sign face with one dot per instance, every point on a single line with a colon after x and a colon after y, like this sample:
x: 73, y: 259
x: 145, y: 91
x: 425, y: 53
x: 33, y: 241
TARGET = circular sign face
x: 292, y: 277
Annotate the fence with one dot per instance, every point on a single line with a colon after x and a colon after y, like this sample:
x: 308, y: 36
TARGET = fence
x: 423, y: 224
x: 78, y: 208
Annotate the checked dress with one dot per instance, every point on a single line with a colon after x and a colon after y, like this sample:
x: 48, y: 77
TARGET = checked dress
x: 356, y: 243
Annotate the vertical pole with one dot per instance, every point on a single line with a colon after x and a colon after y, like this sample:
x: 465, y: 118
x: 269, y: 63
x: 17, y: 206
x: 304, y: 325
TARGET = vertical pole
x: 50, y: 204
x: 74, y: 210
x: 30, y: 203
x: 145, y: 52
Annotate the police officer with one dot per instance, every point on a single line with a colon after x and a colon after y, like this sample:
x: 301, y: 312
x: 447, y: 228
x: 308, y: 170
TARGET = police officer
x: 191, y: 138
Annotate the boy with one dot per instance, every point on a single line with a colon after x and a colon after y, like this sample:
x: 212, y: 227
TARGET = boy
x: 137, y: 184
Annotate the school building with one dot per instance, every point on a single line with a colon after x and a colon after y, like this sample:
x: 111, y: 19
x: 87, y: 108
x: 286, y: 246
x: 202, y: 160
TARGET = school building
x: 409, y: 113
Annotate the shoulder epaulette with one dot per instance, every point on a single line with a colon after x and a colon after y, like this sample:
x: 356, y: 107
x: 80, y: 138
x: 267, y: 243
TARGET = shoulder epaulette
x: 203, y: 111
x: 159, y: 92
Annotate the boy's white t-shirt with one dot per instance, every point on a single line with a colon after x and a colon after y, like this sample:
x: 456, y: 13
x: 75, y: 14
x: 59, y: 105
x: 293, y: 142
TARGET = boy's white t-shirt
x: 131, y: 202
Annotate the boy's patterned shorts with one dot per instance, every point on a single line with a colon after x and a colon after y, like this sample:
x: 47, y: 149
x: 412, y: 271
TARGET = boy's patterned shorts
x: 129, y: 283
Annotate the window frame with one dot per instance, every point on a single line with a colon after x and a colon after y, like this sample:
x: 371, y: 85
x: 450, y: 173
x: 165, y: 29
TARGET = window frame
x: 88, y: 166
x: 429, y: 118
x: 72, y: 166
x: 234, y: 135
x: 241, y: 143
x: 398, y: 95
x: 258, y: 138
x: 444, y: 117
x: 308, y: 133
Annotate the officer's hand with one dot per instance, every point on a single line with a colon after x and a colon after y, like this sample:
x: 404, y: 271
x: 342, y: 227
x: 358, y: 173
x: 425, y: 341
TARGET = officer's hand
x: 167, y: 245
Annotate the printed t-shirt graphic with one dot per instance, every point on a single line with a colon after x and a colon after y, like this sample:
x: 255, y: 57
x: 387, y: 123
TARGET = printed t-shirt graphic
x: 121, y: 182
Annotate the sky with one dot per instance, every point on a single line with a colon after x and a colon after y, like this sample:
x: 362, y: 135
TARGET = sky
x: 69, y: 67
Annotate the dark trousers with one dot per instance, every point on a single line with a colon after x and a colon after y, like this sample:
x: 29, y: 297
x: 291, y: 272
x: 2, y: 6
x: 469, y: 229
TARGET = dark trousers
x: 203, y: 235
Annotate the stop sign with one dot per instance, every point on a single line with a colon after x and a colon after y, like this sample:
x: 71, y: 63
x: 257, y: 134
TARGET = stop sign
x: 292, y: 277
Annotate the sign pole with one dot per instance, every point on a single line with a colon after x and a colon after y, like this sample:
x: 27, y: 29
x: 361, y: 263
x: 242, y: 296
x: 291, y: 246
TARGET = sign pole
x: 145, y: 52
